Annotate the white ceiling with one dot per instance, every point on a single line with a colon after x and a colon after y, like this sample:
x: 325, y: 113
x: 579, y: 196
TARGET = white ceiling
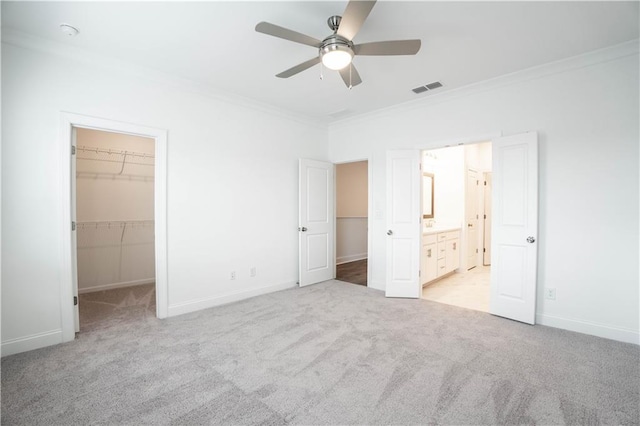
x: 214, y: 43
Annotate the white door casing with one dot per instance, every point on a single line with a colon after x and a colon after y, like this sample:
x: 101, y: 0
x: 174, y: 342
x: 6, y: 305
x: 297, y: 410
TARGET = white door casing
x: 515, y: 227
x: 404, y: 215
x: 471, y: 213
x: 316, y: 229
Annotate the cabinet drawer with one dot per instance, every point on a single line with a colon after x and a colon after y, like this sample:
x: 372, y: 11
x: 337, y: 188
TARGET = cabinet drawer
x: 442, y: 236
x: 442, y: 250
x: 452, y: 235
x: 429, y: 239
x: 442, y: 267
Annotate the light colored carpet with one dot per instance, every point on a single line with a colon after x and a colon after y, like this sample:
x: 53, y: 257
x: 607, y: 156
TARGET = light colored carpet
x: 332, y: 353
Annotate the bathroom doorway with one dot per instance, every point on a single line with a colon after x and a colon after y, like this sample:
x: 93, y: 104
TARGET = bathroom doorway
x: 457, y: 236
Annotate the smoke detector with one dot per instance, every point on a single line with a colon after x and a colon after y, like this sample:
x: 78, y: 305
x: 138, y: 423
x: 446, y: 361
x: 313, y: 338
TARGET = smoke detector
x: 69, y: 30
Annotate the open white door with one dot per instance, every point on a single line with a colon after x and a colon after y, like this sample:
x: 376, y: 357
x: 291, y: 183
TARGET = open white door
x: 403, y: 224
x: 515, y: 227
x: 74, y: 234
x: 316, y: 230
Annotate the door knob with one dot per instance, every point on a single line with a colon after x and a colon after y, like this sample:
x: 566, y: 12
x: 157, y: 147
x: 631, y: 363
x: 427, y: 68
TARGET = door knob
x: 531, y: 240
x: 303, y: 229
x: 389, y: 232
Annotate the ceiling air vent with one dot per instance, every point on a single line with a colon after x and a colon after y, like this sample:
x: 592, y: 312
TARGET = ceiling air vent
x: 430, y: 86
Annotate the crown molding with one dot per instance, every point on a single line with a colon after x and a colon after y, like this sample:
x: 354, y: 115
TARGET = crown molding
x: 86, y: 57
x: 619, y: 51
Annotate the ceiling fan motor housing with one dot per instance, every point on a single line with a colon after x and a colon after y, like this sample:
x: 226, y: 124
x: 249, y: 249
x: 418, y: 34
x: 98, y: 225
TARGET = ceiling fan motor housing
x: 336, y: 43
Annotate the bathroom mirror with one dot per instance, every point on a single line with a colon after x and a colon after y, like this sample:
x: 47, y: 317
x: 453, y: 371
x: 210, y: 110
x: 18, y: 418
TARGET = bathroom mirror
x: 427, y: 195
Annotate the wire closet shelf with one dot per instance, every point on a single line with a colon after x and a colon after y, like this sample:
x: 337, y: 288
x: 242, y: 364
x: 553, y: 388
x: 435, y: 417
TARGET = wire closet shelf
x: 115, y: 156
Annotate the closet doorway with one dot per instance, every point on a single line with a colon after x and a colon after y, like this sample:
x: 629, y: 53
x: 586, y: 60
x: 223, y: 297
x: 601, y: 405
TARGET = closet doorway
x: 456, y: 238
x: 352, y: 222
x: 115, y: 222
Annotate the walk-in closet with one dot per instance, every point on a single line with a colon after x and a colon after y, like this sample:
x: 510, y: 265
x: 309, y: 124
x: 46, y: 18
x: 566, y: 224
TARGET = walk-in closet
x: 114, y: 194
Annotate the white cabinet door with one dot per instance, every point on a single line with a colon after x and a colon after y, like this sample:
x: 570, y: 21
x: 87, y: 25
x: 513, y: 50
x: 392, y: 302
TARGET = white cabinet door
x: 430, y: 272
x: 453, y: 254
x: 316, y: 231
x: 403, y: 224
x: 515, y: 227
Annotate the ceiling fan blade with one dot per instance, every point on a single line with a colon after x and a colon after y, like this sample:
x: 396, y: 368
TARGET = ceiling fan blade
x: 350, y: 76
x: 353, y: 17
x: 276, y: 31
x: 299, y: 68
x: 393, y: 47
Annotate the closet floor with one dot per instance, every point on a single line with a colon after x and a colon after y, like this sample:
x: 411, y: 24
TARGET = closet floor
x: 106, y: 308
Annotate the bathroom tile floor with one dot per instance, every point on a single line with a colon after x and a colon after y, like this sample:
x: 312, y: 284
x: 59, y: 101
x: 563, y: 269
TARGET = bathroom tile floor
x: 467, y: 289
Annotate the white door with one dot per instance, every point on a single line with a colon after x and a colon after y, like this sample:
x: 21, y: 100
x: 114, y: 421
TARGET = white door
x: 316, y: 231
x: 515, y: 227
x: 487, y: 219
x: 471, y: 208
x: 403, y: 224
x: 74, y: 234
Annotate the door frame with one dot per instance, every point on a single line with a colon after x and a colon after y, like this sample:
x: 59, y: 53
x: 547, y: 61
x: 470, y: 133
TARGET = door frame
x: 69, y: 121
x: 369, y: 213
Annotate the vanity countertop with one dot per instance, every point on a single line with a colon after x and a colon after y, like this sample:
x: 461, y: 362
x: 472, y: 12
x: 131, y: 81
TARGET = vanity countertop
x: 436, y: 229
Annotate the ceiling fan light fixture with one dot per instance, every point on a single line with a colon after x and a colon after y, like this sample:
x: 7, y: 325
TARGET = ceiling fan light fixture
x: 336, y: 56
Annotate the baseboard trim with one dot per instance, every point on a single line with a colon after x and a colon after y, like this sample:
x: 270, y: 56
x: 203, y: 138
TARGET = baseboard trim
x: 351, y: 258
x: 587, y: 327
x: 29, y: 343
x: 115, y: 285
x: 210, y: 302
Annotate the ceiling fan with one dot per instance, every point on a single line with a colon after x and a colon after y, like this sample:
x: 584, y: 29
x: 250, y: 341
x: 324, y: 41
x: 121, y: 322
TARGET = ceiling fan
x: 336, y: 51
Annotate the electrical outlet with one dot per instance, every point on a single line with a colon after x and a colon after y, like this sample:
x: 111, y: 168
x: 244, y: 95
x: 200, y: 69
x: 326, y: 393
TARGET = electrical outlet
x: 550, y: 293
x: 233, y: 275
x: 252, y: 272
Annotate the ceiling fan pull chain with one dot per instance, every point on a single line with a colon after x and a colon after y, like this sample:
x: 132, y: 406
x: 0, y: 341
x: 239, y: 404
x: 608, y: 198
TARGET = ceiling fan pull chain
x: 321, y: 69
x: 350, y: 68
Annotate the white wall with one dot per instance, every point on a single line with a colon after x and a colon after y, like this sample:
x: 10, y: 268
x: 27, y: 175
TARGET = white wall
x: 351, y: 211
x: 232, y: 186
x: 119, y: 250
x: 586, y: 112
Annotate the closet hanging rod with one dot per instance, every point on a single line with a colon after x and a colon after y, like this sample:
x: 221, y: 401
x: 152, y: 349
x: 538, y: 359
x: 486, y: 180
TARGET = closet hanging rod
x: 114, y: 152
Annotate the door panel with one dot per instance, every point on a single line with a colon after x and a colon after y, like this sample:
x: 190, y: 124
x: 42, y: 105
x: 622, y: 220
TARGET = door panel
x: 471, y: 208
x: 515, y: 227
x: 488, y: 217
x: 316, y: 222
x: 403, y: 224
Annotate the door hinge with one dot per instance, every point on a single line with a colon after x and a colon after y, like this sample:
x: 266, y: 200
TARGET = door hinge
x: 484, y: 250
x: 485, y: 216
x: 485, y: 183
x: 73, y: 226
x: 477, y: 182
x: 75, y: 300
x: 419, y: 273
x: 477, y: 217
x: 476, y: 250
x: 73, y: 150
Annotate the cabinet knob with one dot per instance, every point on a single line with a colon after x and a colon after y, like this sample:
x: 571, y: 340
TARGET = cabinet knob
x: 389, y: 232
x: 531, y: 240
